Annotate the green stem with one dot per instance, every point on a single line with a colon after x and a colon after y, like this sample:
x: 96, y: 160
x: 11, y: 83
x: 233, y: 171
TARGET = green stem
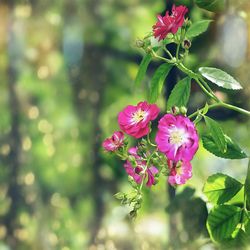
x: 177, y: 51
x: 225, y: 105
x: 145, y: 169
x: 195, y: 76
x: 162, y: 58
x: 149, y: 141
x: 208, y: 93
x: 206, y: 84
x: 168, y: 52
x: 207, y: 90
x: 182, y: 35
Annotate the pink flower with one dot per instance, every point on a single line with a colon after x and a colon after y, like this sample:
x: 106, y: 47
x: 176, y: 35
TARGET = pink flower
x: 134, y: 120
x: 114, y: 142
x: 137, y: 172
x: 178, y: 13
x: 169, y: 23
x: 180, y: 172
x: 177, y: 137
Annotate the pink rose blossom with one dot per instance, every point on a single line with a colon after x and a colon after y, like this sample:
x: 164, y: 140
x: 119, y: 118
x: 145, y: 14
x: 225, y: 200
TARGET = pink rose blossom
x: 169, y: 23
x: 180, y: 172
x: 137, y: 172
x: 114, y: 142
x: 177, y: 137
x: 134, y: 120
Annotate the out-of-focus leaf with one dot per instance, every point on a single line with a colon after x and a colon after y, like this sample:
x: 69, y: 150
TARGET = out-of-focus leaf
x: 211, y: 5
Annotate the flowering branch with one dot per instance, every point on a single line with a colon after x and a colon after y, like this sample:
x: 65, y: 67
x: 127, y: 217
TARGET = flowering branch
x: 177, y: 139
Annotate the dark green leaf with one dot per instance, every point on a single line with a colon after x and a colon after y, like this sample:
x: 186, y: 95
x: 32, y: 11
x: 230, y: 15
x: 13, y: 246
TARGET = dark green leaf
x: 247, y: 224
x: 198, y: 28
x: 142, y: 69
x: 158, y: 81
x: 233, y: 150
x: 217, y: 134
x: 220, y: 188
x: 240, y: 241
x: 222, y: 221
x: 211, y: 5
x: 247, y: 186
x: 220, y: 78
x: 180, y: 94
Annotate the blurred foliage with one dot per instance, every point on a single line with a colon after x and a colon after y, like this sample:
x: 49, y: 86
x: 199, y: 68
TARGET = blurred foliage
x: 67, y: 69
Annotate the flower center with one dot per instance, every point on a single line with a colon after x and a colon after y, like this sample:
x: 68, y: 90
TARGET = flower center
x: 138, y: 115
x: 177, y: 137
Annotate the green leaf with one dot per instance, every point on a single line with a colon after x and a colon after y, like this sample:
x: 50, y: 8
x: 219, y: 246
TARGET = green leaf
x: 240, y: 241
x: 198, y: 28
x: 180, y: 94
x: 233, y: 150
x: 247, y: 187
x: 217, y: 134
x: 158, y: 81
x: 247, y: 224
x: 222, y: 221
x: 220, y: 78
x: 142, y: 69
x: 205, y: 109
x: 220, y: 188
x: 211, y: 5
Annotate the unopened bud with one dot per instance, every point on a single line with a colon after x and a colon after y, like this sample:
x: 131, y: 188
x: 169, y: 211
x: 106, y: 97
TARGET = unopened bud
x: 175, y: 110
x: 156, y: 180
x: 149, y: 49
x: 186, y: 44
x: 188, y: 22
x: 183, y: 110
x: 119, y: 196
x: 139, y: 43
x: 133, y: 213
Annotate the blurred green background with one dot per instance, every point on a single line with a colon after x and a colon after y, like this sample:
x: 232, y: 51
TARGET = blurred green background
x: 66, y: 70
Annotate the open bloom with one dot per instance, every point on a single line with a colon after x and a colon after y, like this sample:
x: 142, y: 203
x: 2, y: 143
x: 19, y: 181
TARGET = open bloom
x: 114, y: 142
x: 141, y: 171
x: 134, y: 120
x: 180, y: 172
x: 177, y: 137
x: 169, y: 23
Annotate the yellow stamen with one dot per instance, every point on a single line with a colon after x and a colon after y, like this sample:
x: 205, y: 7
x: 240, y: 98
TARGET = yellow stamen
x: 176, y: 137
x: 138, y: 115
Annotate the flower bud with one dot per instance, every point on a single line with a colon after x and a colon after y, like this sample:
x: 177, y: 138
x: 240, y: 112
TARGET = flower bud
x: 186, y: 44
x: 120, y: 196
x: 183, y: 110
x: 175, y: 110
x: 133, y: 213
x: 156, y: 180
x: 149, y: 49
x: 139, y: 43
